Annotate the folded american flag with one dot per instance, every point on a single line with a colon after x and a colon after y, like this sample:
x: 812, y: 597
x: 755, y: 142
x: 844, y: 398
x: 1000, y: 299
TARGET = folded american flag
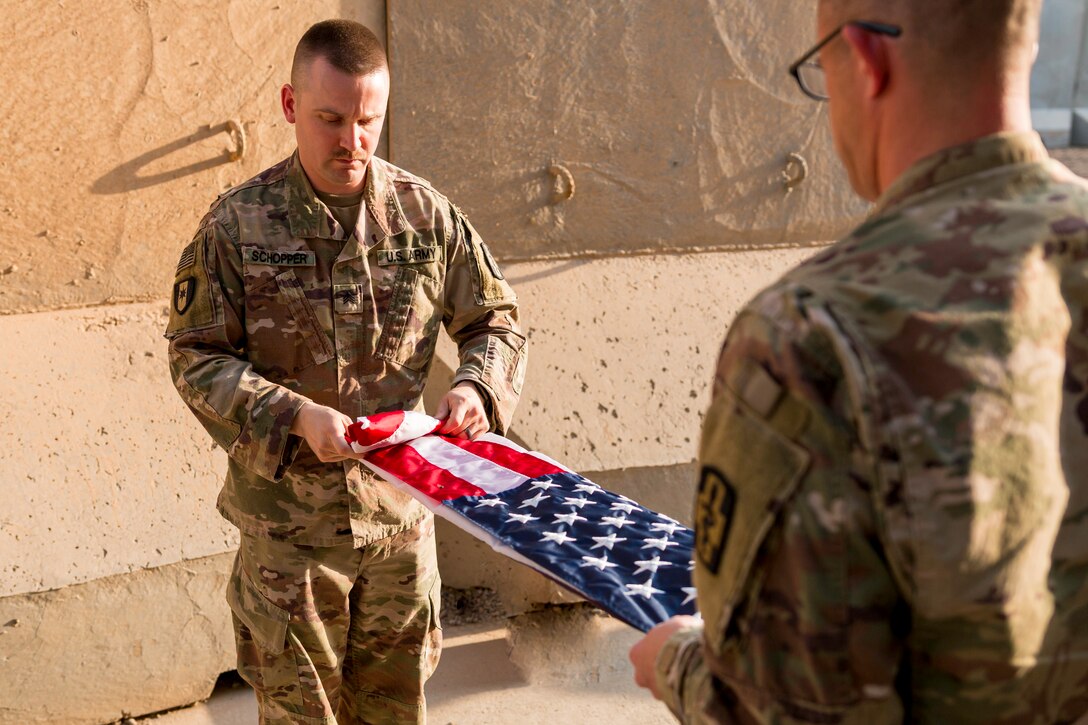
x: 630, y: 561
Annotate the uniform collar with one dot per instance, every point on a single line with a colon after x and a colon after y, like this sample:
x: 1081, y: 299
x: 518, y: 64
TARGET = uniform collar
x: 309, y: 217
x: 952, y: 164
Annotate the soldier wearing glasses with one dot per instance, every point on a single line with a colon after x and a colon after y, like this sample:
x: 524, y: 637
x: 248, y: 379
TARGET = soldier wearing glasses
x: 892, y: 517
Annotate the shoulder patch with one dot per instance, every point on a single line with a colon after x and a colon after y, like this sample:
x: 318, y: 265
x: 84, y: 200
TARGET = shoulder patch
x: 714, y: 514
x: 487, y: 279
x: 188, y: 256
x: 191, y: 304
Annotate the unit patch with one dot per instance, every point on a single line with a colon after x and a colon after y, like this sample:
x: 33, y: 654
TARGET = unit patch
x: 184, y: 294
x: 279, y: 258
x: 407, y: 255
x: 713, y: 517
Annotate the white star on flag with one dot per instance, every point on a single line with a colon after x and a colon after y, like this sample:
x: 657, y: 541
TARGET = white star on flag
x: 624, y: 507
x: 690, y: 591
x: 545, y: 485
x: 601, y: 563
x: 579, y: 502
x: 569, y: 519
x: 662, y: 543
x: 534, y: 501
x: 491, y: 502
x: 558, y: 537
x: 606, y: 541
x: 526, y: 518
x: 669, y: 528
x: 589, y: 488
x: 647, y: 590
x: 651, y: 565
x: 618, y: 521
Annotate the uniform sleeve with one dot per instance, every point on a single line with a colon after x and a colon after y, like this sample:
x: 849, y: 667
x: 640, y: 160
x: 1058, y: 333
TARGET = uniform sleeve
x: 481, y: 315
x: 803, y: 621
x: 246, y: 414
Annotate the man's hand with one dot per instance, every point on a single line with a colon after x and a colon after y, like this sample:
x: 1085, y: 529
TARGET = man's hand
x: 462, y: 412
x: 323, y: 429
x: 644, y: 654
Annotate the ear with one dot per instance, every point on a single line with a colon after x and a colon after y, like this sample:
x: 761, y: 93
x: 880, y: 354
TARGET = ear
x: 870, y: 54
x: 287, y: 101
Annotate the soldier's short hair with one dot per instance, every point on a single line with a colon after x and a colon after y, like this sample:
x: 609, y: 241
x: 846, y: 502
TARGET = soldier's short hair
x: 953, y: 36
x: 347, y: 46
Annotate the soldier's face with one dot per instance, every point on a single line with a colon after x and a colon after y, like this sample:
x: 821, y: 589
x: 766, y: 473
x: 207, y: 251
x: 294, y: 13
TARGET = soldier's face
x: 338, y: 118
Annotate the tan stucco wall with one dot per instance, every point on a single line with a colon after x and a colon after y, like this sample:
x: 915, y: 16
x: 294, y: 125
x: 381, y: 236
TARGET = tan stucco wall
x: 112, y: 557
x: 674, y: 121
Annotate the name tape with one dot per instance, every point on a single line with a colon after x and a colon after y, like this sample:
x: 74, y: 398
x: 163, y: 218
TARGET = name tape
x: 279, y: 258
x: 407, y: 255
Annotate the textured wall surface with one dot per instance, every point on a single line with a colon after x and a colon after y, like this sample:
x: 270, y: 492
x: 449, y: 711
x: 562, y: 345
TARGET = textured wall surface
x: 674, y: 120
x: 108, y: 161
x: 118, y: 646
x: 102, y: 468
x: 1062, y: 64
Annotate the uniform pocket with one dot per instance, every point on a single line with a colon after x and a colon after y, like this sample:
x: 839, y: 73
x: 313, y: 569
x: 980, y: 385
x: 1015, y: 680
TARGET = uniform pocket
x: 749, y: 470
x: 267, y: 623
x: 412, y: 320
x: 282, y: 330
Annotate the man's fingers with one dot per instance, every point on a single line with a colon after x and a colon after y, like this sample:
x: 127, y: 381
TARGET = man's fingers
x: 455, y: 421
x: 443, y: 408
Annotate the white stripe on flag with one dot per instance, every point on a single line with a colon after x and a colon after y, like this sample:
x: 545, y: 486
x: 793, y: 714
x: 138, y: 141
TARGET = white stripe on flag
x: 480, y: 472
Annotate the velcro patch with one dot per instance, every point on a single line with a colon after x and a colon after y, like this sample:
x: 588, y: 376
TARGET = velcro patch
x: 491, y: 263
x: 279, y: 257
x: 188, y: 256
x: 407, y: 255
x: 714, y: 517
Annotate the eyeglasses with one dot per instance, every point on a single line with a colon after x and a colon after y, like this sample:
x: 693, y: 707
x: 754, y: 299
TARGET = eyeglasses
x: 808, y: 72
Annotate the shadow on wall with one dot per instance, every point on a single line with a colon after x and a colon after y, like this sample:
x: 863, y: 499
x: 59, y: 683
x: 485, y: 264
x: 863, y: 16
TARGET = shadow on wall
x: 127, y: 177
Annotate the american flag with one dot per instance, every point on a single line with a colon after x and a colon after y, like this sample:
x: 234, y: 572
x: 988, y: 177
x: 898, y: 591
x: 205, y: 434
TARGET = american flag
x: 628, y: 560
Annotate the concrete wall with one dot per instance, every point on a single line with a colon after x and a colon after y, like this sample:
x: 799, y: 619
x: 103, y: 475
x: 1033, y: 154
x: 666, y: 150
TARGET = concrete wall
x: 112, y: 557
x: 1059, y: 80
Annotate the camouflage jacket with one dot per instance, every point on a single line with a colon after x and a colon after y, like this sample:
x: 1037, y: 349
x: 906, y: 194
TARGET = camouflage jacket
x: 892, y: 517
x: 275, y: 304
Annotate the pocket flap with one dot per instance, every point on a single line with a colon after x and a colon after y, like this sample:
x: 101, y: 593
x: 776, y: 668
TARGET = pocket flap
x: 749, y: 470
x: 265, y: 621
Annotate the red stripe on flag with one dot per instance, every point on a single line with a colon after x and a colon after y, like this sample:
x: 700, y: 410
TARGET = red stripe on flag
x: 523, y: 463
x: 380, y: 427
x: 408, y: 465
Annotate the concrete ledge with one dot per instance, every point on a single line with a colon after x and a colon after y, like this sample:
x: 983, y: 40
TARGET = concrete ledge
x: 1080, y: 127
x: 1055, y: 125
x: 123, y: 645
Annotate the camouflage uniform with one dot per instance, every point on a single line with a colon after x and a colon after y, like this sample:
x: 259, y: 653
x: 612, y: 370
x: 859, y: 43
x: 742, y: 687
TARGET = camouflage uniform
x: 892, y: 517
x: 275, y: 304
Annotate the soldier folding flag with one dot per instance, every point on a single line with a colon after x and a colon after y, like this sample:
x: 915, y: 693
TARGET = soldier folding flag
x: 633, y: 563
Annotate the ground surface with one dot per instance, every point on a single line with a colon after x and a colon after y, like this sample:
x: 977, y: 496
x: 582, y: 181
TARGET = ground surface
x: 1075, y: 159
x: 551, y: 671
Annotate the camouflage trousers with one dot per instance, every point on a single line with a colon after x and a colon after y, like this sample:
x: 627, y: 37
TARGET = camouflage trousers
x: 336, y: 635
